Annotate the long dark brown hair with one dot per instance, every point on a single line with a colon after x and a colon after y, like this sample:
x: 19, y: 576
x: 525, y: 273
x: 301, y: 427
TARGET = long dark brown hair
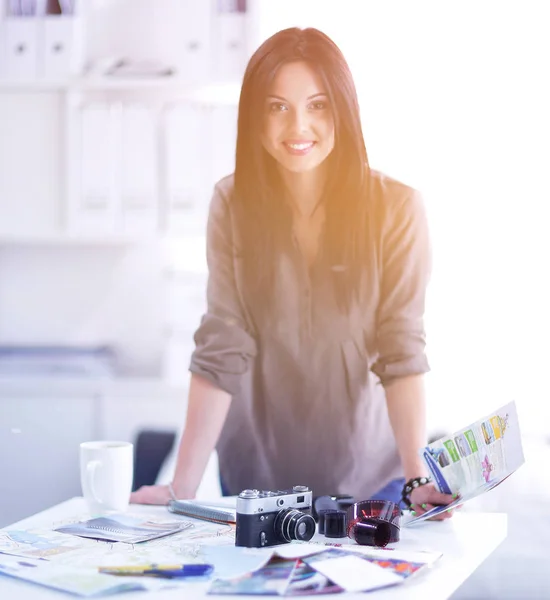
x: 258, y: 194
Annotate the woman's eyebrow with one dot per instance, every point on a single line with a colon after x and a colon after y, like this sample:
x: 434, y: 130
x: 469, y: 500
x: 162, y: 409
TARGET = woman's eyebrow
x: 275, y: 97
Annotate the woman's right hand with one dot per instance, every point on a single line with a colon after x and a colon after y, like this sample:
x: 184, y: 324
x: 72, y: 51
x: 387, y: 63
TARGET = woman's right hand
x: 151, y: 494
x: 202, y: 430
x: 155, y: 494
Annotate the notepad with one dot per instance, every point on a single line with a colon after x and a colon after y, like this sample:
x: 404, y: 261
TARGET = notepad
x: 122, y: 528
x: 202, y: 510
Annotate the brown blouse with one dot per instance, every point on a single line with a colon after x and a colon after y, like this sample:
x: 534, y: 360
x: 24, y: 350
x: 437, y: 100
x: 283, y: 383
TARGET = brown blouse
x: 307, y: 383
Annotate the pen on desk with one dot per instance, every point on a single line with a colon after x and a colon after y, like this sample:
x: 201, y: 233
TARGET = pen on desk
x: 167, y: 571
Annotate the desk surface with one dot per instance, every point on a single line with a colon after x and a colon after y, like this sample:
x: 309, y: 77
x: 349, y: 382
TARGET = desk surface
x: 466, y: 541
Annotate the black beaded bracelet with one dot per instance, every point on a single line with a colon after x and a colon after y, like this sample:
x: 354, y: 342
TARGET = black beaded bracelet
x: 410, y: 486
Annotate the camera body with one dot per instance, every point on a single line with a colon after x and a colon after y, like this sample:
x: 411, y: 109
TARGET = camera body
x: 270, y: 518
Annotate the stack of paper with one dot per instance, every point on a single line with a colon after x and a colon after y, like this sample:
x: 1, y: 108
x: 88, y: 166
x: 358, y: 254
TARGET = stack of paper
x: 299, y: 569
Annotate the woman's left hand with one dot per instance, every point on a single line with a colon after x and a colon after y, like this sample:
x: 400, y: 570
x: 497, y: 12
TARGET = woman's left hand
x: 425, y: 497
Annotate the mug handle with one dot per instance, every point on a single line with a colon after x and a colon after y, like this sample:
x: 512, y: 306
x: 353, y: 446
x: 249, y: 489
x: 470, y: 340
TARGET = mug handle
x: 91, y: 468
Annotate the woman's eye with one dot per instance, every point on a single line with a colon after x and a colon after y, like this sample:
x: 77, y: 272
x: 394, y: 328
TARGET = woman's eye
x: 320, y: 105
x: 277, y: 107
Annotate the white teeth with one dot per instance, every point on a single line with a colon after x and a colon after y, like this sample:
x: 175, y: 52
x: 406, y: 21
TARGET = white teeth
x: 300, y: 146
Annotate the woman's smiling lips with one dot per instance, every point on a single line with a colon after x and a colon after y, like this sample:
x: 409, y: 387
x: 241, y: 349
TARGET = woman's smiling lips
x: 298, y: 147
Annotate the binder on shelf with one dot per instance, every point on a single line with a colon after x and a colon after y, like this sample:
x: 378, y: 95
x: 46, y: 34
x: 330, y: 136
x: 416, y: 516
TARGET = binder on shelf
x: 62, y: 49
x: 21, y: 41
x: 138, y: 183
x: 93, y: 156
x: 25, y: 8
x: 194, y: 39
x: 230, y: 30
x: 186, y: 150
x: 41, y: 39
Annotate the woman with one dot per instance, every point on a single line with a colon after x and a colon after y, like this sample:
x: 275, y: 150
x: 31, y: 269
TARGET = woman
x: 309, y: 361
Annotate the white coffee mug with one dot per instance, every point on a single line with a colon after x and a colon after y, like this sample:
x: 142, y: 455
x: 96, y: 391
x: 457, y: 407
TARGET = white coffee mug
x: 106, y: 475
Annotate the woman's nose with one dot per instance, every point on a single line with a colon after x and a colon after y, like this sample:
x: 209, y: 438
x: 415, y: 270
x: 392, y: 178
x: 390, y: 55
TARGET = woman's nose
x: 300, y: 121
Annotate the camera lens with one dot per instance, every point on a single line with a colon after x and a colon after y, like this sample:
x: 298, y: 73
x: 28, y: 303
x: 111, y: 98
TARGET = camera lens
x: 291, y: 524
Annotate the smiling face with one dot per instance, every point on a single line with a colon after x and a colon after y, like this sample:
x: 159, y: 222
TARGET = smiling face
x: 298, y: 124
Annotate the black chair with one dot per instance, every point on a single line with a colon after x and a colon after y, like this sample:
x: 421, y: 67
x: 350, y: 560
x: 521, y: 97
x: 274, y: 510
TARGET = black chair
x: 150, y: 450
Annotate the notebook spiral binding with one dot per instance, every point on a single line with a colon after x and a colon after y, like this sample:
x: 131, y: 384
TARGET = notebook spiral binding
x: 104, y: 528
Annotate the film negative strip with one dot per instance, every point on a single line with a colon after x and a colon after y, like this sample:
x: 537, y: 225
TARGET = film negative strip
x: 374, y: 522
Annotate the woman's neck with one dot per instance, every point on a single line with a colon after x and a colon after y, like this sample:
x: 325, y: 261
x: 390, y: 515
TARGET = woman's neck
x: 305, y: 190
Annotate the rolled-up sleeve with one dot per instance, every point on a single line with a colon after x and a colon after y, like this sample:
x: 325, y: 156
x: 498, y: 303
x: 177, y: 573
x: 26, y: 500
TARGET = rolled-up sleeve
x: 224, y: 344
x: 406, y: 266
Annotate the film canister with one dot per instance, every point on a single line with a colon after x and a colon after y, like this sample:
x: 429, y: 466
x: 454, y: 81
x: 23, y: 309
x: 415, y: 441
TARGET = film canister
x: 371, y: 532
x: 380, y: 518
x: 321, y: 518
x: 335, y: 524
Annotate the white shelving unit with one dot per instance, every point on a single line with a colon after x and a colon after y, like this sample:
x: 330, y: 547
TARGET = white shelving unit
x: 206, y: 47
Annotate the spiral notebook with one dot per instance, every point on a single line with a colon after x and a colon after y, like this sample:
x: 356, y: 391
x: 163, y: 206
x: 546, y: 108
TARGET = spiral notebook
x: 206, y: 511
x: 123, y: 528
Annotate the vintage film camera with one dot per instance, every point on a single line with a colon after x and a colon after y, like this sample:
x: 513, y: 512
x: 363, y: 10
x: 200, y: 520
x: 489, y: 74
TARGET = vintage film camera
x: 271, y: 518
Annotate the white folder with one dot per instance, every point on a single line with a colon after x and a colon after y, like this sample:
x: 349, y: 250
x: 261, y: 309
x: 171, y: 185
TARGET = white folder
x: 186, y: 145
x: 20, y: 38
x: 62, y: 51
x: 230, y: 38
x: 138, y: 210
x: 93, y: 208
x: 193, y: 19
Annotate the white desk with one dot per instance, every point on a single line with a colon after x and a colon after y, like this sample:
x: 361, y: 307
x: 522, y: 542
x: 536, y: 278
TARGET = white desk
x: 466, y: 541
